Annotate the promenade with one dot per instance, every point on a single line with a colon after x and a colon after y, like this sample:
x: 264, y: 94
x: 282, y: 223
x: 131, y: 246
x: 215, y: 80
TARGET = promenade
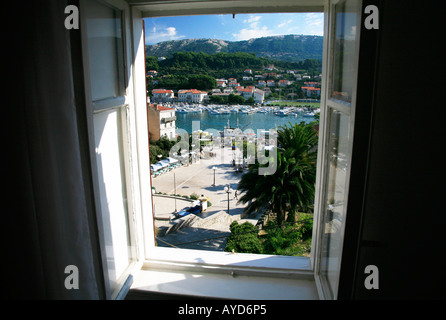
x: 198, y: 178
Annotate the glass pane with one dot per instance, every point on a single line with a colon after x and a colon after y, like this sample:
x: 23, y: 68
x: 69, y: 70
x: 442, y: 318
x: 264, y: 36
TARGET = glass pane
x: 338, y: 155
x: 105, y: 51
x: 113, y: 195
x: 346, y: 26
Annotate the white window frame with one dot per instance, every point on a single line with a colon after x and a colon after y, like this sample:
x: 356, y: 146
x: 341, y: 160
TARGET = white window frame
x: 148, y: 256
x: 347, y: 109
x: 130, y: 105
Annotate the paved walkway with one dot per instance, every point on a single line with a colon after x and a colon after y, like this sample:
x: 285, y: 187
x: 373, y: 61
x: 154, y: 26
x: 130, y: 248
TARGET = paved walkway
x: 198, y: 178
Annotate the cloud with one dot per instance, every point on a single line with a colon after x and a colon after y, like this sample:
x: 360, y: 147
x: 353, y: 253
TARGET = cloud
x: 314, y: 22
x: 158, y: 34
x: 254, y: 30
x: 256, y: 26
x: 252, y: 19
x: 284, y: 23
x: 246, y: 34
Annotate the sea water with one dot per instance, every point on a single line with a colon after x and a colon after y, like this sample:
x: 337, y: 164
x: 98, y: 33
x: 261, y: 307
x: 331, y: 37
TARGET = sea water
x: 254, y: 121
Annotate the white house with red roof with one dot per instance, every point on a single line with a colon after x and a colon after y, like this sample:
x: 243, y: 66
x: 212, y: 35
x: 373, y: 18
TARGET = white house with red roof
x: 162, y: 95
x: 246, y: 92
x: 192, y: 95
x: 284, y: 83
x: 251, y: 91
x: 309, y: 91
x: 259, y: 95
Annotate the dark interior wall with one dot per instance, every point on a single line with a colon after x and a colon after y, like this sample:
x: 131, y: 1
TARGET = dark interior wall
x: 47, y: 213
x: 404, y: 214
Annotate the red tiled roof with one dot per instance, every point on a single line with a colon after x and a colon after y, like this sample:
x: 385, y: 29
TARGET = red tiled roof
x: 163, y: 108
x: 160, y: 108
x: 191, y: 91
x: 162, y: 91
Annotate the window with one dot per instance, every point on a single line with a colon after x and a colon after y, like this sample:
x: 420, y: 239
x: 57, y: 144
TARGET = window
x: 119, y: 140
x: 104, y: 55
x: 105, y: 51
x: 337, y: 137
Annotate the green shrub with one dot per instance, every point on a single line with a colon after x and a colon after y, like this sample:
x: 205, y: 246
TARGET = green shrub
x: 194, y: 196
x: 243, y: 238
x: 292, y: 240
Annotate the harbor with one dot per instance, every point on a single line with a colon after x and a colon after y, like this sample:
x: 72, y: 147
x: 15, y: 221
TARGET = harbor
x: 240, y: 116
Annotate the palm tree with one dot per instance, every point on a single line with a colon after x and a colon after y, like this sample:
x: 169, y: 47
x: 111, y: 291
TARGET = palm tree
x: 291, y: 187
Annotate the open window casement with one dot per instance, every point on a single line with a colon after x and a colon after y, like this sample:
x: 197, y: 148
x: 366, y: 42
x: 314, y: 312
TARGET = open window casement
x: 110, y: 71
x: 341, y: 50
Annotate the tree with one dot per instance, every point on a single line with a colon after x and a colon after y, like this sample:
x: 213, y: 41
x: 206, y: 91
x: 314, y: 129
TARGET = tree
x: 202, y: 82
x: 291, y: 187
x: 160, y: 147
x: 151, y: 63
x: 218, y: 99
x: 236, y: 99
x: 250, y: 100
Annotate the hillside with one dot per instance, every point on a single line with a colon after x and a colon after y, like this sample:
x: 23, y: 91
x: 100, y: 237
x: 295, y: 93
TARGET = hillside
x: 289, y: 47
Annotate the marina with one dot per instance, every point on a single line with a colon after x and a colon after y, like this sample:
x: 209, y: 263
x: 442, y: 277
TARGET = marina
x: 239, y: 116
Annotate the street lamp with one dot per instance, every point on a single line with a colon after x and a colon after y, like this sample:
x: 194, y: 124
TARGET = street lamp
x: 228, y: 191
x: 214, y: 168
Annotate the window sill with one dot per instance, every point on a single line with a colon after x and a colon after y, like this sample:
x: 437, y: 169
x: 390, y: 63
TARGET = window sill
x: 225, y: 276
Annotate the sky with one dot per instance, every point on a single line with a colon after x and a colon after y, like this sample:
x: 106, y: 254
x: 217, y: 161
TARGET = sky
x: 242, y: 27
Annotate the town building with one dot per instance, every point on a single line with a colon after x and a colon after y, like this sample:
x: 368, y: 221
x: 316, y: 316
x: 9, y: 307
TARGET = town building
x: 191, y: 96
x: 313, y: 84
x: 246, y: 92
x: 270, y: 67
x: 259, y: 95
x: 162, y: 95
x: 251, y: 91
x: 161, y: 122
x: 152, y: 73
x: 233, y: 82
x: 309, y: 91
x: 284, y: 83
x: 221, y: 83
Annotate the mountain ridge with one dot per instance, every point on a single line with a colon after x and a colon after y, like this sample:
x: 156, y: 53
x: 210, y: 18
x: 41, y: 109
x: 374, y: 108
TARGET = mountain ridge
x: 290, y: 47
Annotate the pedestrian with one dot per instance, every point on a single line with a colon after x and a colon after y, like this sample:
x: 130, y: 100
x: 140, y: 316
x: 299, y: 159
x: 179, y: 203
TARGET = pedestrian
x: 235, y: 195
